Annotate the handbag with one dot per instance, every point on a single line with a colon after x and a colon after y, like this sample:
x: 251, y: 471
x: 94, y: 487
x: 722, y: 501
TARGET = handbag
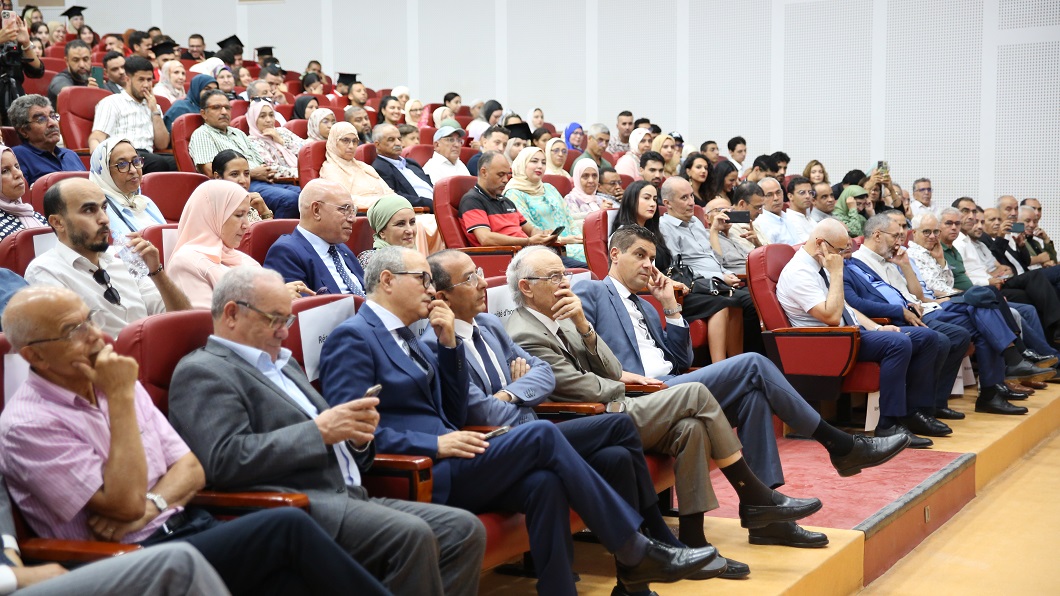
x: 715, y: 286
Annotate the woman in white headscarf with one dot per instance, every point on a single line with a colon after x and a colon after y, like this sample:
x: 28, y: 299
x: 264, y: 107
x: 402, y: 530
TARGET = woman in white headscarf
x: 639, y: 144
x: 171, y: 81
x: 556, y: 157
x: 320, y: 123
x: 117, y: 169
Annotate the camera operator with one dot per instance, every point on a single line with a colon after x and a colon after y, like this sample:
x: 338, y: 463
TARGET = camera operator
x: 18, y: 60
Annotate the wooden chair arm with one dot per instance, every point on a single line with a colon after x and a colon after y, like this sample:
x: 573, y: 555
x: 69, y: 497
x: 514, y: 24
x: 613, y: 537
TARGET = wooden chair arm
x: 82, y: 151
x: 637, y: 389
x: 210, y: 499
x: 480, y: 429
x: 567, y: 409
x: 881, y: 320
x: 406, y: 477
x: 489, y: 250
x: 292, y: 181
x: 79, y: 551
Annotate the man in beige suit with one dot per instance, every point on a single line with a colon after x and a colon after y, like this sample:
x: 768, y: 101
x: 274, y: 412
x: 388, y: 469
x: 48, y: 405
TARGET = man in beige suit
x: 685, y: 422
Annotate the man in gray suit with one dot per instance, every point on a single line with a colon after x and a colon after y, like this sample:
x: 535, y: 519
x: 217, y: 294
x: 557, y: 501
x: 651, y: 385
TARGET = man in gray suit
x: 175, y: 568
x: 251, y: 416
x: 685, y: 421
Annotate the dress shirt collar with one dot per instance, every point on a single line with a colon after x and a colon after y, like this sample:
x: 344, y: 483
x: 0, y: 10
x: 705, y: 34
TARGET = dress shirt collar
x: 319, y: 244
x: 259, y: 359
x: 623, y: 291
x: 441, y: 157
x: 769, y: 215
x: 865, y: 252
x: 71, y: 257
x: 53, y: 153
x: 56, y: 394
x: 482, y: 191
x: 673, y: 221
x: 389, y: 319
x: 399, y: 163
x: 465, y: 330
x: 546, y: 321
x: 806, y: 259
x: 129, y: 98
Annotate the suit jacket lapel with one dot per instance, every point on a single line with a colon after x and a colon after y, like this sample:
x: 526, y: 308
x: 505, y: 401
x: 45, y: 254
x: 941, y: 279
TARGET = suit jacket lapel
x: 622, y: 313
x: 498, y: 350
x: 320, y: 270
x: 224, y: 352
x: 401, y: 361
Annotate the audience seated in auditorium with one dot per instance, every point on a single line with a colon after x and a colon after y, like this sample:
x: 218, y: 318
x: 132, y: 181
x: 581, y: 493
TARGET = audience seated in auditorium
x: 849, y: 207
x: 489, y: 115
x: 771, y: 224
x: 556, y: 156
x: 583, y: 198
x: 83, y: 444
x: 491, y: 219
x: 623, y: 129
x: 797, y: 215
x: 733, y: 255
x: 696, y: 168
x: 276, y: 147
x: 78, y: 65
x: 315, y: 253
x: 749, y: 197
x: 208, y: 235
x: 495, y: 138
x: 574, y: 136
x: 359, y: 179
x: 710, y: 149
x: 423, y: 403
x: 232, y: 166
x: 358, y: 94
x: 445, y: 162
x: 402, y: 174
x: 651, y: 169
x: 540, y: 137
x: 435, y: 118
x: 393, y: 223
x: 823, y: 203
x: 390, y: 111
x: 123, y: 291
x: 1039, y: 245
x: 319, y: 125
x: 267, y: 415
x: 763, y: 166
x: 171, y: 81
x: 921, y: 197
x: 215, y: 135
x: 666, y: 146
x: 738, y: 153
x: 117, y: 169
x: 358, y: 117
x: 304, y: 106
x: 541, y: 204
x: 721, y: 180
x: 192, y: 103
x: 519, y: 137
x: 596, y: 141
x: 15, y: 214
x: 639, y: 144
x: 413, y: 111
x: 114, y: 77
x: 610, y: 187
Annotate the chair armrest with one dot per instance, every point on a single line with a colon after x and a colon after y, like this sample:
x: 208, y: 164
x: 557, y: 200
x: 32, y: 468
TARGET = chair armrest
x: 407, y: 477
x: 209, y: 499
x: 881, y: 320
x: 80, y: 551
x: 480, y: 429
x: 637, y: 389
x: 489, y: 250
x: 568, y: 409
x: 813, y: 351
x: 82, y: 151
x: 293, y: 181
x: 163, y: 152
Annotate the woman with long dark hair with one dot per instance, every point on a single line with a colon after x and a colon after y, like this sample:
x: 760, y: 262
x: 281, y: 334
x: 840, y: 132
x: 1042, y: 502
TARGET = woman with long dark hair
x: 696, y: 169
x: 722, y: 179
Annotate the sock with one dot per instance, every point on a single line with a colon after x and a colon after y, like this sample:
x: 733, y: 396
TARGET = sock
x: 633, y: 551
x: 886, y: 422
x: 690, y: 530
x: 837, y: 442
x: 748, y: 487
x: 1012, y: 357
x: 657, y: 528
x: 1019, y: 345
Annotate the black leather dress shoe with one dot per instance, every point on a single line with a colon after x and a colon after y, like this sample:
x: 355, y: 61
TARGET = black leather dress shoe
x: 868, y: 452
x: 784, y: 508
x: 711, y: 570
x: 1039, y: 360
x: 948, y: 414
x: 620, y: 590
x: 665, y: 564
x: 922, y: 424
x: 735, y: 569
x: 1005, y: 392
x: 990, y: 402
x: 1025, y: 371
x: 787, y: 534
x: 915, y: 441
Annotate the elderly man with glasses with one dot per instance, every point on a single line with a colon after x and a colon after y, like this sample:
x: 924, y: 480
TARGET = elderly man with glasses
x: 77, y: 210
x: 37, y: 124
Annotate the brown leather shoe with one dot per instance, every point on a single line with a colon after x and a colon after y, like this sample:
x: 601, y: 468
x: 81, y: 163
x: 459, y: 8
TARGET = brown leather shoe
x: 1035, y: 384
x: 1019, y: 387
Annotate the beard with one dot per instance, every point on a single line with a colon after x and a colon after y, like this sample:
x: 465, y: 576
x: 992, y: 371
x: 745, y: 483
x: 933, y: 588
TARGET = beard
x: 82, y: 240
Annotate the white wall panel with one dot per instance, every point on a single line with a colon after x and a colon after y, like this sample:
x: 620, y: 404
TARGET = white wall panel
x: 456, y: 52
x: 1020, y: 14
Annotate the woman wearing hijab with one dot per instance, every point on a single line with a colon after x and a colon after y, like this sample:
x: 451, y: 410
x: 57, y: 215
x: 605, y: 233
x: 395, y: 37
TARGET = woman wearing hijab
x: 540, y: 202
x: 14, y: 214
x: 574, y: 136
x: 304, y: 106
x: 441, y: 115
x: 393, y: 223
x: 556, y: 157
x: 846, y: 209
x: 583, y: 199
x: 190, y: 104
x: 360, y: 179
x: 490, y: 115
x: 639, y: 144
x: 320, y: 123
x: 413, y: 112
x: 171, y: 81
x: 117, y: 170
x: 275, y: 145
x: 211, y: 227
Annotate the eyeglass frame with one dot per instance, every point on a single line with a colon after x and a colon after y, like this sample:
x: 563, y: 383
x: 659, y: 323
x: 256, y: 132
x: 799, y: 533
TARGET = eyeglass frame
x: 425, y: 277
x: 472, y: 279
x: 552, y: 279
x: 43, y: 119
x: 127, y: 163
x: 846, y: 251
x: 81, y: 328
x: 346, y: 210
x: 275, y: 321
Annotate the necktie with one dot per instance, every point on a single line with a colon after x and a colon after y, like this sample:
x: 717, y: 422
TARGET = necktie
x: 351, y: 283
x: 643, y: 317
x: 570, y: 352
x: 487, y: 362
x: 847, y: 319
x: 414, y: 351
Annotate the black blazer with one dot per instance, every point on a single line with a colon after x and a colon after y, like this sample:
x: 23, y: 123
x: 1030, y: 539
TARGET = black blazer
x: 397, y: 182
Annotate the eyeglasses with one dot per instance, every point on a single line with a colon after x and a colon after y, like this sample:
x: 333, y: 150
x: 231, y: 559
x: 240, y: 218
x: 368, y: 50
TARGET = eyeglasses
x: 110, y: 294
x: 950, y: 223
x: 123, y: 165
x: 931, y: 232
x: 846, y: 251
x: 472, y: 279
x: 42, y: 119
x: 558, y: 151
x: 806, y: 193
x: 424, y: 276
x: 893, y: 235
x: 275, y: 321
x: 219, y: 107
x: 349, y: 140
x: 79, y: 332
x: 264, y: 98
x: 928, y: 189
x: 347, y: 210
x: 554, y: 279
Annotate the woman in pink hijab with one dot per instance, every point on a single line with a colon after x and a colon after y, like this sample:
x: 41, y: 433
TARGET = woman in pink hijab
x: 14, y: 214
x: 211, y: 227
x: 582, y: 199
x: 274, y: 144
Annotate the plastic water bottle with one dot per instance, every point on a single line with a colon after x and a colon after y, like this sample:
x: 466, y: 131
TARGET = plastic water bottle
x: 132, y: 260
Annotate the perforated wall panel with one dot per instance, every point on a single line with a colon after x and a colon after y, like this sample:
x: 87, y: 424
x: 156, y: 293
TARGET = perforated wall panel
x: 827, y: 82
x: 360, y: 44
x: 1020, y: 14
x: 456, y: 49
x: 547, y: 72
x: 934, y: 78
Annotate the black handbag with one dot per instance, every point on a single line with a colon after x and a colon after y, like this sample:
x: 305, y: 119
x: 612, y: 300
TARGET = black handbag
x: 682, y: 273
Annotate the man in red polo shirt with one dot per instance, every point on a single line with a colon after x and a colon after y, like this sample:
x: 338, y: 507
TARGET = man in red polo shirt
x: 490, y: 219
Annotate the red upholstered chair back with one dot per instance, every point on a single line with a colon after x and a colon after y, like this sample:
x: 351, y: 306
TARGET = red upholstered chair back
x: 158, y: 235
x: 563, y: 184
x: 463, y: 120
x: 41, y: 186
x: 572, y: 154
x: 466, y: 153
x: 361, y: 237
x: 373, y: 104
x: 240, y: 122
x: 39, y: 86
x: 420, y: 153
x: 10, y: 136
x: 55, y: 51
x: 447, y: 195
x: 595, y: 231
x: 54, y: 64
x: 310, y: 157
x: 323, y: 101
x: 181, y: 137
x: 159, y: 342
x: 427, y: 135
x: 431, y: 107
x: 294, y: 85
x: 164, y: 103
x: 77, y: 107
x: 626, y: 180
x: 262, y: 234
x: 299, y: 127
x: 239, y: 107
x: 170, y: 191
x: 365, y: 153
x: 18, y: 249
x: 286, y: 110
x: 764, y: 266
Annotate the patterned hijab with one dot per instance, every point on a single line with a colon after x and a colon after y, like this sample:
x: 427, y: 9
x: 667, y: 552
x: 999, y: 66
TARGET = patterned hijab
x: 14, y: 205
x: 99, y: 174
x: 252, y: 124
x: 313, y: 127
x: 163, y: 76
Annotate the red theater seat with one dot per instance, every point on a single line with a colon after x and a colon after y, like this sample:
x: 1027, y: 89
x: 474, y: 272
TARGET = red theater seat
x: 261, y: 234
x: 180, y: 136
x: 310, y: 158
x: 170, y: 191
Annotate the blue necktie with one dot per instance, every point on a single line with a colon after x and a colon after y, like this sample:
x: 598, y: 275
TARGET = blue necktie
x: 487, y: 362
x: 414, y: 351
x: 351, y: 283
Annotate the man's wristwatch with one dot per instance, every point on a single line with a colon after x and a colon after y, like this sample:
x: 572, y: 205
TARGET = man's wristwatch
x: 158, y: 501
x: 673, y: 311
x: 588, y: 333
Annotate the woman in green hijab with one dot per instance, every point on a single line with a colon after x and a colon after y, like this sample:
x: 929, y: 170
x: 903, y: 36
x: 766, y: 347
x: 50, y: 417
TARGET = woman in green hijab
x: 393, y: 223
x: 846, y: 209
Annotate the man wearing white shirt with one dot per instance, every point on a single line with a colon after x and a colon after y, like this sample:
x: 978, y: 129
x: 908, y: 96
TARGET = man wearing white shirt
x: 738, y: 153
x: 446, y: 160
x: 921, y: 197
x: 800, y: 200
x: 770, y: 224
x: 823, y: 203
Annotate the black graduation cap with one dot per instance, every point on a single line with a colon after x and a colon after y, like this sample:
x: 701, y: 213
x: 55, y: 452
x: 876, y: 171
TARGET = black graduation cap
x: 74, y: 11
x: 231, y: 40
x: 346, y: 78
x: 167, y: 46
x: 519, y: 130
x: 263, y: 51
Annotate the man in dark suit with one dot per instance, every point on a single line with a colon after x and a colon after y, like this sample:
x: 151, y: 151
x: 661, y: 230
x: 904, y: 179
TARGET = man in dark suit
x: 531, y: 469
x: 403, y: 175
x: 252, y: 417
x: 315, y: 253
x: 506, y: 383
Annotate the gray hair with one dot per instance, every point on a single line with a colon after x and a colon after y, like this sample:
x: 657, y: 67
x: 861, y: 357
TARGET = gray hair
x: 19, y: 328
x: 919, y: 218
x: 876, y: 222
x: 390, y: 258
x: 598, y: 129
x: 1028, y: 210
x: 519, y: 270
x: 257, y: 88
x: 239, y: 285
x: 919, y: 180
x: 380, y: 130
x: 668, y: 191
x: 1002, y: 198
x: 18, y: 111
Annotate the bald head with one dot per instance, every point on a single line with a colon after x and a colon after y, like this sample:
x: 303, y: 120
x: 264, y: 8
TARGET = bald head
x: 31, y: 312
x: 831, y: 230
x: 326, y: 209
x: 677, y: 195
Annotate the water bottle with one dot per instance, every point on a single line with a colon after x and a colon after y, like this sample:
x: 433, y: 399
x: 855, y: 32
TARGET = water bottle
x: 133, y: 261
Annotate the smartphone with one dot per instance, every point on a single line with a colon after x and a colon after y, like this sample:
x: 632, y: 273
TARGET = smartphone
x: 497, y: 432
x: 882, y: 167
x: 558, y: 231
x: 6, y: 17
x: 1018, y: 228
x: 373, y: 391
x: 740, y: 217
x: 97, y: 73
